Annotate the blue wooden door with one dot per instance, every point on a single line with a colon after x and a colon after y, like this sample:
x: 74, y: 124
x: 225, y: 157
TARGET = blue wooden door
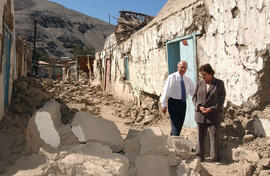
x: 184, y: 49
x: 7, y: 53
x: 187, y: 53
x: 173, y: 55
x: 126, y: 67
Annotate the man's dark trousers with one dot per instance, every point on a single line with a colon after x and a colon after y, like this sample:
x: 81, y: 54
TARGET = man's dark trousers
x: 177, y: 112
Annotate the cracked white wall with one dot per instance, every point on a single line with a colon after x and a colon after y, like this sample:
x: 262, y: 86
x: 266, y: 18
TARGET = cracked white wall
x: 229, y: 45
x: 250, y: 29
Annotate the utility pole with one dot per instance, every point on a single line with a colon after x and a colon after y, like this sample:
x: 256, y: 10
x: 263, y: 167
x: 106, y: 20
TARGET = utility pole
x: 34, y: 61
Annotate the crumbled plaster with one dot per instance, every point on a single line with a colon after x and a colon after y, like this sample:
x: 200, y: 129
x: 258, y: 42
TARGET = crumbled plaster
x: 201, y: 19
x: 232, y: 34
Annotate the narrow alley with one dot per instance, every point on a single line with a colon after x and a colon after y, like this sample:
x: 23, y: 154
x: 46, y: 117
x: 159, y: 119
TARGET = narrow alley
x: 80, y: 96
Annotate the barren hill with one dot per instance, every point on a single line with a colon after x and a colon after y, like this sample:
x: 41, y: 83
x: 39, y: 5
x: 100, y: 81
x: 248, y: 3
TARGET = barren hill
x: 59, y: 29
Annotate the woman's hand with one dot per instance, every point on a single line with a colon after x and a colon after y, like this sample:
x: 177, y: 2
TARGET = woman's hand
x: 205, y: 110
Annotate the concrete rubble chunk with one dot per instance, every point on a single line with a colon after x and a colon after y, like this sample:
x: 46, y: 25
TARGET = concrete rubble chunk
x: 248, y: 138
x: 92, y: 158
x: 261, y: 127
x: 265, y: 162
x: 180, y: 144
x: 196, y: 165
x: 264, y: 173
x: 42, y: 127
x: 268, y: 142
x: 253, y: 157
x: 172, y: 159
x: 132, y: 144
x: 153, y: 141
x: 149, y: 165
x: 66, y: 135
x: 247, y: 169
x: 87, y: 127
x: 183, y: 170
x: 240, y: 153
x: 29, y: 165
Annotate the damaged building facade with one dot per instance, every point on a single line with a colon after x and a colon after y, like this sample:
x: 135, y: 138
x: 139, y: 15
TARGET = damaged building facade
x: 8, y: 53
x: 233, y: 36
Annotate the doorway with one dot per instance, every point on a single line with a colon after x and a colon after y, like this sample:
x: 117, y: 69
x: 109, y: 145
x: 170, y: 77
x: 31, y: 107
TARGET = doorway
x: 7, y: 54
x: 107, y: 73
x: 184, y: 48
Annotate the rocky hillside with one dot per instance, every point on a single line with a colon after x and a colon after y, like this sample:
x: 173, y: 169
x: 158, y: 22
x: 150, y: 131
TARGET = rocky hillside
x: 59, y: 29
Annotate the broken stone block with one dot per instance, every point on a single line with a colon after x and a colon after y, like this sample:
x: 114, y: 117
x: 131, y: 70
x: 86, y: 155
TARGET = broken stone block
x: 183, y: 170
x: 35, y: 162
x: 42, y: 127
x: 132, y: 144
x: 153, y: 141
x: 66, y: 135
x: 87, y: 127
x: 264, y: 173
x: 172, y: 159
x: 265, y: 162
x: 248, y: 138
x: 268, y: 142
x: 247, y: 169
x: 92, y: 158
x: 180, y: 144
x: 252, y: 156
x: 261, y: 127
x: 152, y: 165
x: 239, y: 154
x: 247, y: 123
x: 196, y: 165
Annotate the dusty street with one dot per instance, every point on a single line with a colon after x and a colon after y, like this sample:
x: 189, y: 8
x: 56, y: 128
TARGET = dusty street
x: 30, y: 94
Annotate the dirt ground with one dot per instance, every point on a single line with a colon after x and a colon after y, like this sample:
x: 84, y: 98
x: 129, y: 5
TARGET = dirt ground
x: 30, y: 94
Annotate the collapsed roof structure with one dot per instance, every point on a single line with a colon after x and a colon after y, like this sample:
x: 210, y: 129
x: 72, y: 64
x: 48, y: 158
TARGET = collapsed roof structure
x: 130, y: 22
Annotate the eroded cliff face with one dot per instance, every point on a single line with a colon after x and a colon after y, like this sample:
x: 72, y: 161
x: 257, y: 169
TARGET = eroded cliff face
x: 59, y: 29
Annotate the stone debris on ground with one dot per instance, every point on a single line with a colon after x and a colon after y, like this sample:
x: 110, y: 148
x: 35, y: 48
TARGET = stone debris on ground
x: 66, y: 109
x: 80, y: 96
x: 97, y: 155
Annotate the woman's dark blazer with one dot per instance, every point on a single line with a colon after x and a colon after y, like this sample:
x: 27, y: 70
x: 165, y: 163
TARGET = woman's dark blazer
x: 213, y: 98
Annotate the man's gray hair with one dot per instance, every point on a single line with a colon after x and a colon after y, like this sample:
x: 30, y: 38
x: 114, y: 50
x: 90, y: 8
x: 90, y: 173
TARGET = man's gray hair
x: 182, y: 61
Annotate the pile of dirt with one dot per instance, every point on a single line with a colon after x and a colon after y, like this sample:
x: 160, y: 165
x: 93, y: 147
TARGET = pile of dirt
x: 28, y: 96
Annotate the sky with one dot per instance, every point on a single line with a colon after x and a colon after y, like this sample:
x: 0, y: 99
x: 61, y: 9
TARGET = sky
x: 102, y: 8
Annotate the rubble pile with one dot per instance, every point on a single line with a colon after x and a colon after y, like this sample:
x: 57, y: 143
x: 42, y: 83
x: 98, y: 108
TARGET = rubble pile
x: 69, y: 136
x: 242, y: 125
x: 28, y: 96
x: 253, y: 158
x: 103, y: 151
x: 80, y: 96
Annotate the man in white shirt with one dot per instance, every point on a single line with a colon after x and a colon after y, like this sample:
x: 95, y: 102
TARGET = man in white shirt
x: 177, y: 88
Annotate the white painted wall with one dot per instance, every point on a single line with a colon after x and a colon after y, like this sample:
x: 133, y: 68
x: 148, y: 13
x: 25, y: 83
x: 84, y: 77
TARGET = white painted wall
x: 238, y: 68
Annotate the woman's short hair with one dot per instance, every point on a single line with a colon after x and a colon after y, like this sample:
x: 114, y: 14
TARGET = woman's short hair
x: 207, y: 68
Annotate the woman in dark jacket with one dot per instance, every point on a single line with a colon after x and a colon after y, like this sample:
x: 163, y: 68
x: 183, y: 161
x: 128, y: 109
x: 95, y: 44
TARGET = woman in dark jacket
x: 208, y: 100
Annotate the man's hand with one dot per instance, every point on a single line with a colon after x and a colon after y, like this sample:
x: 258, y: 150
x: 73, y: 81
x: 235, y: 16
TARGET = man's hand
x: 164, y: 110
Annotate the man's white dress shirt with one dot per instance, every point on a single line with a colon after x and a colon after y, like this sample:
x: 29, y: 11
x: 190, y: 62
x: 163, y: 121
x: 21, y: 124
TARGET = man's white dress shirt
x: 173, y: 89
